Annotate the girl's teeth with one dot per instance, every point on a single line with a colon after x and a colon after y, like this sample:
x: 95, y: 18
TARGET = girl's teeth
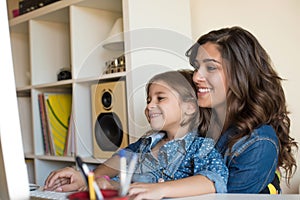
x: 153, y: 115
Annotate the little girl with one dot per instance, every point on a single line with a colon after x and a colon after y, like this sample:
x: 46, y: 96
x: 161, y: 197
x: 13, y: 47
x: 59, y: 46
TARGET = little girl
x: 173, y: 161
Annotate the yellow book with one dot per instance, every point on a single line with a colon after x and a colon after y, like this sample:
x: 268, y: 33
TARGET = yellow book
x: 58, y: 109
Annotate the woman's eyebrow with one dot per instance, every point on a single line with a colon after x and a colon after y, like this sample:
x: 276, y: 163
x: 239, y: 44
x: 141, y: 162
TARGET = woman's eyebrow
x: 206, y: 60
x: 211, y: 60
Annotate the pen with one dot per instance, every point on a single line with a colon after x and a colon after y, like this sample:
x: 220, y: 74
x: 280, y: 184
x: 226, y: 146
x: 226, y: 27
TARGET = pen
x: 130, y: 173
x: 97, y: 191
x: 83, y: 168
x: 122, y: 172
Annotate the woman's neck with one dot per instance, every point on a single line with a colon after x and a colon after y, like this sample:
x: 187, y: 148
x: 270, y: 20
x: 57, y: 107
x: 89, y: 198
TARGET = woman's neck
x: 218, y: 122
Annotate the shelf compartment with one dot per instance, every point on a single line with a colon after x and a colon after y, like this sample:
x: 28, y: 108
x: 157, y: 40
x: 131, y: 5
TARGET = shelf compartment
x: 89, y: 28
x: 49, y: 50
x: 36, y: 114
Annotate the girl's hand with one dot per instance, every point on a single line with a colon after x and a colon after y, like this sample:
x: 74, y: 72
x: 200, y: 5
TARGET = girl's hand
x: 105, y: 183
x: 139, y: 191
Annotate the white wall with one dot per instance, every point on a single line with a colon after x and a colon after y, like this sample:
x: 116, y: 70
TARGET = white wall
x: 276, y: 25
x: 156, y: 38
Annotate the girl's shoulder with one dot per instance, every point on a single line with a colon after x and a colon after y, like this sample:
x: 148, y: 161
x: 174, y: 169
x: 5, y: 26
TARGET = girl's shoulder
x: 199, y: 140
x: 203, y: 145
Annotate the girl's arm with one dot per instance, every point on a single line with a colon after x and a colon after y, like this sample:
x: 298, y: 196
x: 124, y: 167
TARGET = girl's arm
x: 190, y: 186
x: 107, y: 170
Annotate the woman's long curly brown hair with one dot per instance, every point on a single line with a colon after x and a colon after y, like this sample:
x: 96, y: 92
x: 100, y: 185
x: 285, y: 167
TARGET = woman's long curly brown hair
x: 255, y: 95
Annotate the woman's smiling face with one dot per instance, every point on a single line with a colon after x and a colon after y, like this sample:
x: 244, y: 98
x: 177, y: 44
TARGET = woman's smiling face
x: 209, y: 76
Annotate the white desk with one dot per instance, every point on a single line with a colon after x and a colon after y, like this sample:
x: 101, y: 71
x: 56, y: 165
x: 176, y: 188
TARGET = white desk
x: 243, y: 197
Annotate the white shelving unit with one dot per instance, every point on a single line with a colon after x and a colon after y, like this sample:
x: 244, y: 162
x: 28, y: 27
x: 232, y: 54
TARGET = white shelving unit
x: 70, y: 34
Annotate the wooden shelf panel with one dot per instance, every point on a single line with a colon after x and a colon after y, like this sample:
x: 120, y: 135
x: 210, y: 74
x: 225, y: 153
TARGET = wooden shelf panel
x: 112, y: 5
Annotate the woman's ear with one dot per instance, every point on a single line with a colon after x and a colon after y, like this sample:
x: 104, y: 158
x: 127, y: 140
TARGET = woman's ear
x: 190, y: 108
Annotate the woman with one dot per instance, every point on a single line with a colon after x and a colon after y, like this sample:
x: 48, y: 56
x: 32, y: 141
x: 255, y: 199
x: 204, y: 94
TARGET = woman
x: 242, y: 93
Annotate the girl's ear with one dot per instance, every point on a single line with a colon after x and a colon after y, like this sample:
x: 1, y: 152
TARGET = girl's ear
x: 189, y: 108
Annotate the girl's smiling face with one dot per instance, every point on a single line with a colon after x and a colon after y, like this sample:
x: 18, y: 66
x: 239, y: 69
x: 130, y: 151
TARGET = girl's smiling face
x: 164, y: 109
x: 209, y: 76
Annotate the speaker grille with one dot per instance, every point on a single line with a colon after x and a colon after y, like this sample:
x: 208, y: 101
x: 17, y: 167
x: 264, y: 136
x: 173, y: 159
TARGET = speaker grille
x: 108, y: 131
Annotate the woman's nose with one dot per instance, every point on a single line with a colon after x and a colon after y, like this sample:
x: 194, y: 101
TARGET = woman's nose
x: 198, y: 76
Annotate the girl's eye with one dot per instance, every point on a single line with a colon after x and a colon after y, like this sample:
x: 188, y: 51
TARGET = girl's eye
x: 160, y: 98
x: 148, y: 100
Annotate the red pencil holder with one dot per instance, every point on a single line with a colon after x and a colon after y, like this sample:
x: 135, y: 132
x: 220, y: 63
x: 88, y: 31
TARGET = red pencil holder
x: 107, y: 194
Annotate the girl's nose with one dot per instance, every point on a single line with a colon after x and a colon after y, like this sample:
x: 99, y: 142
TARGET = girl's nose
x: 151, y: 105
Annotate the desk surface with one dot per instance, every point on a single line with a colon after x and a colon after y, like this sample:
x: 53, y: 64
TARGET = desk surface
x: 243, y: 196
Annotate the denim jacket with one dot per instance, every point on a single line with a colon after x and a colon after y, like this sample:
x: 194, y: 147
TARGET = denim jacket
x: 253, y: 160
x: 178, y: 159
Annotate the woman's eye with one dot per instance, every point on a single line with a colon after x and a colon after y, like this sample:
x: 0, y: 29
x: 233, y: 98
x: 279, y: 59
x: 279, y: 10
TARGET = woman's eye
x: 211, y: 68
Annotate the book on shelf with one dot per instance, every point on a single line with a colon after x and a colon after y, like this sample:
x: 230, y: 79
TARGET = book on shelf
x: 57, y: 111
x: 70, y: 149
x: 44, y: 125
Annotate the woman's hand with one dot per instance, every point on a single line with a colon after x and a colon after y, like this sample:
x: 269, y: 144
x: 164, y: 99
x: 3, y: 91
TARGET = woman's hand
x: 139, y: 191
x: 65, y: 180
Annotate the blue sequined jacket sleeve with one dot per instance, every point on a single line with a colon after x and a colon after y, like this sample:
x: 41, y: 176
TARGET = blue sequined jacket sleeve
x: 209, y: 163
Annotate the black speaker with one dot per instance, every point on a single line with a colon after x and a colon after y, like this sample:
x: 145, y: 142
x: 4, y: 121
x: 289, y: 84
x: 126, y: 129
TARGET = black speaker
x: 109, y: 114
